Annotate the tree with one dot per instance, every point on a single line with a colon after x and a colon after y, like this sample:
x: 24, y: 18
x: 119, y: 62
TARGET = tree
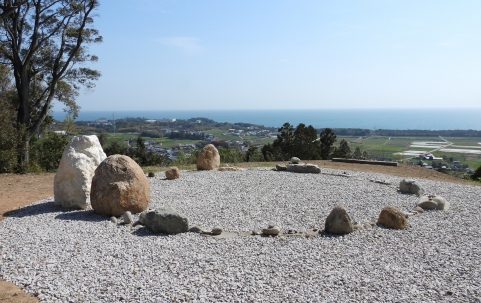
x: 115, y: 148
x: 8, y: 134
x: 477, y: 174
x: 230, y: 155
x: 48, y: 151
x: 44, y: 44
x: 305, y: 144
x: 284, y: 141
x: 8, y: 8
x: 102, y: 139
x: 327, y: 138
x: 357, y: 154
x: 343, y: 151
x: 253, y: 154
x: 271, y: 153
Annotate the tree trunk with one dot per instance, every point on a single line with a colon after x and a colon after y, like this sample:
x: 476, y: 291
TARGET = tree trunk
x: 23, y: 152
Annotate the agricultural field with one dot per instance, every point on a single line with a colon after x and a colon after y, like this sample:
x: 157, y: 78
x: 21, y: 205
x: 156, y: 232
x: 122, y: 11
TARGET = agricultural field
x: 464, y: 149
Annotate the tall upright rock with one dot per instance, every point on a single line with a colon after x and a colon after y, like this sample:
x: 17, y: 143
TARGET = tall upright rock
x: 209, y: 158
x: 73, y: 179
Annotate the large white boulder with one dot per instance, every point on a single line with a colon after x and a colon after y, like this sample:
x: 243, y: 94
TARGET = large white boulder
x: 73, y: 179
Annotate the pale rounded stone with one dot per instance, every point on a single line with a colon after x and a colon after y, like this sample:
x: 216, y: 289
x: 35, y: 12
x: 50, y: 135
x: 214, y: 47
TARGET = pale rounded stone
x: 433, y: 202
x: 358, y: 227
x: 127, y: 217
x: 295, y: 160
x: 209, y: 158
x: 73, y: 179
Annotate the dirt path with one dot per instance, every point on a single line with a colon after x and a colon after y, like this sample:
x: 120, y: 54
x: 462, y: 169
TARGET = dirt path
x: 19, y: 190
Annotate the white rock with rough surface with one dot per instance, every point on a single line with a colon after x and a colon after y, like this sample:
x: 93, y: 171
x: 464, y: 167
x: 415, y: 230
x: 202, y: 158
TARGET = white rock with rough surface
x: 73, y: 179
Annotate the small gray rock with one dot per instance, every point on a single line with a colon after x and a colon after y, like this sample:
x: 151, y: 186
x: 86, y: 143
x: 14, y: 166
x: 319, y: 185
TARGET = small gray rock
x: 127, y: 217
x: 411, y: 187
x: 339, y: 221
x: 280, y: 167
x: 271, y: 230
x: 216, y: 231
x: 114, y: 220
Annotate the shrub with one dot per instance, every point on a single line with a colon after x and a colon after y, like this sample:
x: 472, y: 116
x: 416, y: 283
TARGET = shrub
x: 47, y: 151
x: 477, y: 174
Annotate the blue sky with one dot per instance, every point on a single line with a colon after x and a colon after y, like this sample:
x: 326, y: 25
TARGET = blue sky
x: 191, y: 54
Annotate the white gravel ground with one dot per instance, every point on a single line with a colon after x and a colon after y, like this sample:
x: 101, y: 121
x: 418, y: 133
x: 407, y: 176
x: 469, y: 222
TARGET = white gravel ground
x: 78, y: 256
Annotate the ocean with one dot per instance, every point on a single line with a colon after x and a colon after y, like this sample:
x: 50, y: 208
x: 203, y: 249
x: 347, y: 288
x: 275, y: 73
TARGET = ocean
x: 425, y: 119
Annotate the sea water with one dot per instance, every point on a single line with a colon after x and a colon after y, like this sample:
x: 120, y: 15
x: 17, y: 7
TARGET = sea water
x: 424, y: 119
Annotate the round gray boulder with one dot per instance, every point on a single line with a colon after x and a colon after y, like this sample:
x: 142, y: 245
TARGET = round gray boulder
x: 410, y: 186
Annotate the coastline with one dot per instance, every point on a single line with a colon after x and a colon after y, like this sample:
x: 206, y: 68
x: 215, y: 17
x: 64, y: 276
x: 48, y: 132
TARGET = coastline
x: 406, y: 119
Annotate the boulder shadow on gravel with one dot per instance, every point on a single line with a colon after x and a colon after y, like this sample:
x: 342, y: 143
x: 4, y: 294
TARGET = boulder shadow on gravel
x: 34, y: 210
x: 144, y: 231
x: 82, y: 215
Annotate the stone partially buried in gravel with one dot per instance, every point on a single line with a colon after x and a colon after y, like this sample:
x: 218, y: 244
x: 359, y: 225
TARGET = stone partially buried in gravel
x: 216, y: 230
x: 73, y: 179
x: 281, y: 167
x: 172, y: 173
x: 271, y: 230
x: 411, y: 187
x: 119, y: 185
x: 392, y: 217
x: 209, y: 158
x: 303, y: 168
x: 166, y: 220
x: 433, y: 202
x: 339, y: 221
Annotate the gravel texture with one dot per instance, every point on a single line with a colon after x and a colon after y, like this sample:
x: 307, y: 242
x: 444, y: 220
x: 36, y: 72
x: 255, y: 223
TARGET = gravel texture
x: 78, y: 256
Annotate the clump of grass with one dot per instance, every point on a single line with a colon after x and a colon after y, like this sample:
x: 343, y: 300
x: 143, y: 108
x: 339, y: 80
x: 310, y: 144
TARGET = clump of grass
x: 151, y: 174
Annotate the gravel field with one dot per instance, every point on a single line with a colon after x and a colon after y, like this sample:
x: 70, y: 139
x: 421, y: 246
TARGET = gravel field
x: 78, y: 256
